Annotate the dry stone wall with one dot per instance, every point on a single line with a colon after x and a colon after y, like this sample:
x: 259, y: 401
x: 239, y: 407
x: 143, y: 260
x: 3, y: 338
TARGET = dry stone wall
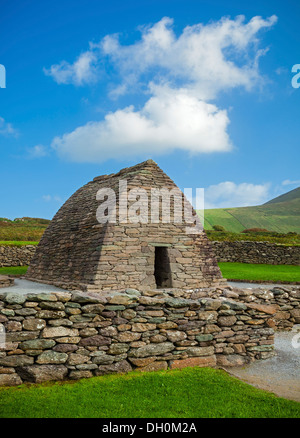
x: 256, y: 252
x: 72, y: 335
x: 239, y: 251
x: 6, y: 281
x: 281, y: 303
x: 16, y: 255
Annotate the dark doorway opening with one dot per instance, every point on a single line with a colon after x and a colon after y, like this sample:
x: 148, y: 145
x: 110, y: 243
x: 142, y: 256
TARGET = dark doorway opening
x: 162, y: 269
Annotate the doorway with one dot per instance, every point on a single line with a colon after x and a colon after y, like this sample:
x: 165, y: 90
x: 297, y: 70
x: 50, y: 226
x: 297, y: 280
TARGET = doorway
x: 162, y: 269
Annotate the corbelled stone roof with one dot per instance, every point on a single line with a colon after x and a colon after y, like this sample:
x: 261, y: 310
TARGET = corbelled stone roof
x: 78, y: 252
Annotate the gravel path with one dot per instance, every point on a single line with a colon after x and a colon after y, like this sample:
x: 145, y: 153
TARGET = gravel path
x: 30, y: 287
x: 279, y: 374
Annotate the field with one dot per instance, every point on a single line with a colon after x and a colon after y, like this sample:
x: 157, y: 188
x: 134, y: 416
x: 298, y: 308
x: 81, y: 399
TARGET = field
x: 186, y: 393
x: 256, y: 272
x: 280, y: 214
x: 22, y: 230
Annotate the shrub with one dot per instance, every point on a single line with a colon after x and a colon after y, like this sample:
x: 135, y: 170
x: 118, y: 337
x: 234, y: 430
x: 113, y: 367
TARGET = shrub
x: 218, y: 228
x: 255, y: 230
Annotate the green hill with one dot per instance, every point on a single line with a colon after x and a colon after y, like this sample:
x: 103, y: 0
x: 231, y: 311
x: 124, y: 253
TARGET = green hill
x: 22, y: 229
x: 281, y: 214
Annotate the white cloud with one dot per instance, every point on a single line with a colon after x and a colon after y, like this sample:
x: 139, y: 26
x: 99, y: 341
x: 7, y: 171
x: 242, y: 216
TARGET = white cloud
x: 52, y: 198
x: 7, y: 129
x: 181, y: 74
x: 170, y: 120
x: 207, y: 58
x: 37, y: 151
x: 288, y: 182
x: 228, y: 194
x: 83, y: 71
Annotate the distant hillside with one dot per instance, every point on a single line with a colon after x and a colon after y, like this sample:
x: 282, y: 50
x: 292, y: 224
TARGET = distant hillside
x: 281, y: 214
x: 289, y: 196
x: 22, y: 229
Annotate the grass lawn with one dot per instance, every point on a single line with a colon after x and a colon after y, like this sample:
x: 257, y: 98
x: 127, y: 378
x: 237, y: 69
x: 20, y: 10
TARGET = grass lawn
x: 235, y: 271
x: 13, y: 270
x: 17, y: 243
x: 257, y: 272
x: 187, y: 393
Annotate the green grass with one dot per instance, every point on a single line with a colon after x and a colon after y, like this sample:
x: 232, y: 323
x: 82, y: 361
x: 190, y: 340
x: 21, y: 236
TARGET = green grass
x: 187, y: 393
x: 16, y: 243
x: 259, y: 272
x: 13, y: 270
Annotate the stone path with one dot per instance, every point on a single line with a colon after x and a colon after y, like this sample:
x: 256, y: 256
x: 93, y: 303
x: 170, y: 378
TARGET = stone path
x: 30, y: 287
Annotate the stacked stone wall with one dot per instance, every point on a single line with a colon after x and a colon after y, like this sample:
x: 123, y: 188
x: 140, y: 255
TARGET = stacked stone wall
x: 72, y: 335
x: 239, y: 251
x: 281, y: 303
x: 16, y: 255
x: 256, y: 252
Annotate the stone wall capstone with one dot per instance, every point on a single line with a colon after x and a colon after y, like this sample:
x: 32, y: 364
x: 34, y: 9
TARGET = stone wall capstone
x: 73, y: 335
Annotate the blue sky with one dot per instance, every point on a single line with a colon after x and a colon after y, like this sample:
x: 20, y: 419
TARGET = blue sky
x: 202, y: 87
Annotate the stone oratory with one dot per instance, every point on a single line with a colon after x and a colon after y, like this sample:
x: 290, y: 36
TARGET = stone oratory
x: 150, y: 251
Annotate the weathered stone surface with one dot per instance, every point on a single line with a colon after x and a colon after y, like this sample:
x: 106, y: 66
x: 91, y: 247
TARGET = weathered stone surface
x: 37, y: 344
x: 55, y: 332
x: 175, y: 335
x: 80, y: 374
x: 76, y: 359
x: 200, y: 351
x: 65, y: 348
x: 204, y: 338
x: 152, y: 350
x: 119, y: 367
x: 143, y: 327
x: 86, y: 332
x: 109, y: 331
x: 96, y: 340
x: 281, y: 315
x: 42, y: 373
x: 122, y: 299
x: 128, y: 336
x: 207, y: 361
x: 52, y: 357
x: 102, y: 358
x: 49, y: 305
x: 266, y: 308
x: 154, y: 366
x: 34, y: 324
x: 142, y: 362
x: 295, y: 313
x: 118, y: 348
x: 226, y: 321
x: 68, y: 339
x: 92, y: 308
x: 50, y: 314
x: 13, y: 326
x: 16, y: 360
x: 231, y: 360
x: 10, y: 379
x: 15, y: 298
